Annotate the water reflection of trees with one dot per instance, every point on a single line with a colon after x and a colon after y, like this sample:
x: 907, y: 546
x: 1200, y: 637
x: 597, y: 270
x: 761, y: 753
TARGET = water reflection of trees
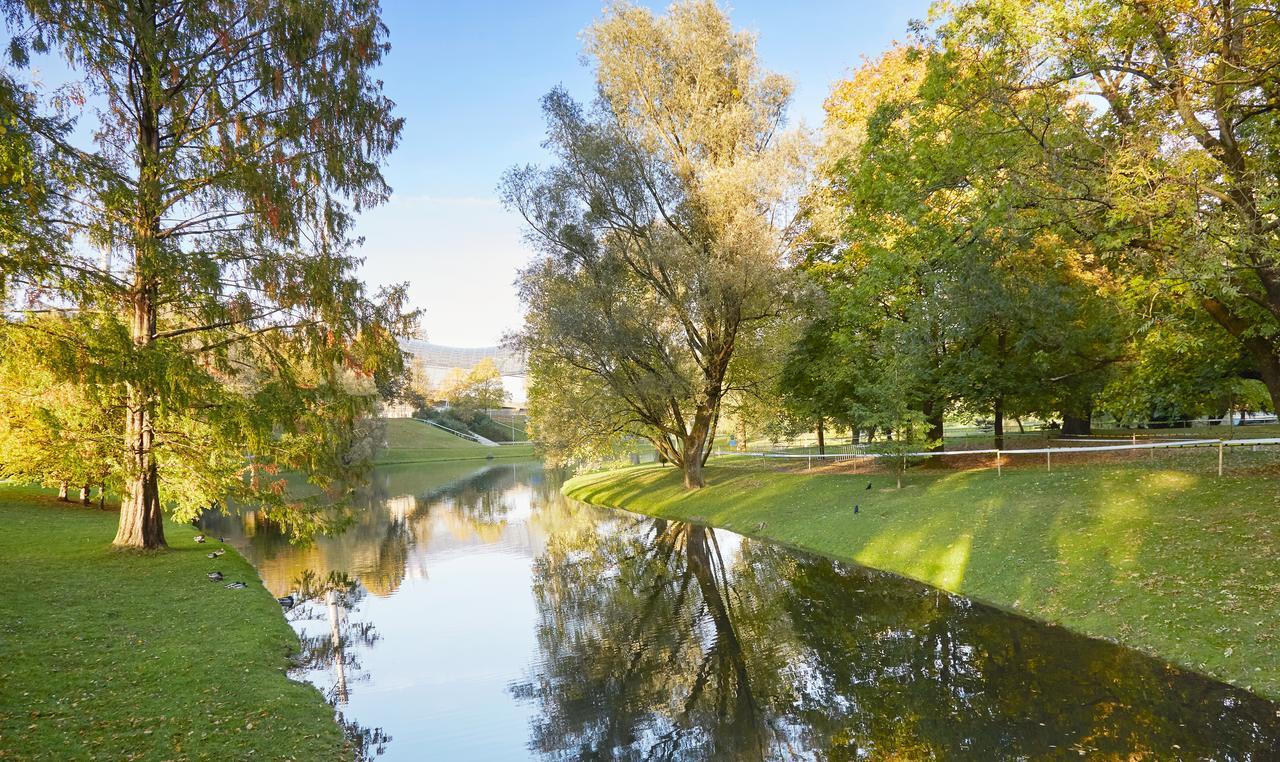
x: 380, y: 525
x: 654, y: 647
x: 336, y: 648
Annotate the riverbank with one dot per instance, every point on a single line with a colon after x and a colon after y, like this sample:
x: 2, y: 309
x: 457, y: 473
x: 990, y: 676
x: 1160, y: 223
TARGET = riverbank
x: 1183, y: 566
x: 119, y: 655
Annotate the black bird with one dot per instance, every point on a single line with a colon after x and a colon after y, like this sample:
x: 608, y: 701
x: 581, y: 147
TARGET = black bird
x: 214, y: 576
x: 868, y: 485
x: 855, y: 508
x: 198, y: 538
x: 288, y: 602
x: 236, y: 586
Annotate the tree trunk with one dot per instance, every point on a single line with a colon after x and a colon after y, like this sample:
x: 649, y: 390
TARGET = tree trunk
x: 1262, y: 350
x: 84, y: 495
x: 999, y: 423
x: 933, y: 412
x: 1077, y: 420
x: 62, y: 491
x: 1267, y: 361
x: 141, y: 521
x: 822, y: 444
x: 693, y: 478
x: 693, y: 448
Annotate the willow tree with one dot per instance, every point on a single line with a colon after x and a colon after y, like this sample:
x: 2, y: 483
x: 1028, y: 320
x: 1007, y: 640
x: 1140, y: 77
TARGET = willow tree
x: 661, y: 232
x: 232, y: 142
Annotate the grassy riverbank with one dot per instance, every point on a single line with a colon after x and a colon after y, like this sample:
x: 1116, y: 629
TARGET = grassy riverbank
x: 412, y: 441
x: 137, y: 655
x: 1181, y: 565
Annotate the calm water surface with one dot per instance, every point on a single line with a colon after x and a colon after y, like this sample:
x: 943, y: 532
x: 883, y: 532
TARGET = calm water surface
x: 476, y: 614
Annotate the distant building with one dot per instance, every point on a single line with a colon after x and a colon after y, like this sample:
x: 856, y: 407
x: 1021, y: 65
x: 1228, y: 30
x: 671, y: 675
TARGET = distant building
x: 438, y: 360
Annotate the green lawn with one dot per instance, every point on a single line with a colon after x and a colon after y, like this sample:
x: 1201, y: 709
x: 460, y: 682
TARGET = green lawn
x: 412, y: 441
x: 119, y: 655
x: 1174, y: 562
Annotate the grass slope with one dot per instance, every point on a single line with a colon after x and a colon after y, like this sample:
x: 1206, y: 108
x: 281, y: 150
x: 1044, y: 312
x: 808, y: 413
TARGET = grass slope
x: 122, y: 655
x: 412, y: 441
x: 1181, y: 565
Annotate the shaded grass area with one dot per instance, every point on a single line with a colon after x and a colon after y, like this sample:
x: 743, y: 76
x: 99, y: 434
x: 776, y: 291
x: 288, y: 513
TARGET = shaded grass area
x: 412, y: 441
x: 1178, y: 564
x: 126, y: 655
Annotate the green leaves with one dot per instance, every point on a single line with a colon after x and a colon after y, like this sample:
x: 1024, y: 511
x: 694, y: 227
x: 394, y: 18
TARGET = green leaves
x: 235, y: 145
x: 661, y: 228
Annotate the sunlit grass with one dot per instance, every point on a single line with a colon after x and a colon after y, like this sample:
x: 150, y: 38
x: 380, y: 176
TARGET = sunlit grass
x: 1178, y: 563
x: 120, y: 655
x: 412, y: 441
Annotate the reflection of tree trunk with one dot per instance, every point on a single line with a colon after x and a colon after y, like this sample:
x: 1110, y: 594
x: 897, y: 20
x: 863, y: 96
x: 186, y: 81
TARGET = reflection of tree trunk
x: 337, y: 618
x: 744, y: 721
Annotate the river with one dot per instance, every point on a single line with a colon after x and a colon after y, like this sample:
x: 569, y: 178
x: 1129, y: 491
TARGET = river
x: 472, y: 612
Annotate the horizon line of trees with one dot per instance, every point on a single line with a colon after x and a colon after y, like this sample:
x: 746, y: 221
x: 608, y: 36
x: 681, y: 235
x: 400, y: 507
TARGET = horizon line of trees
x: 1048, y: 208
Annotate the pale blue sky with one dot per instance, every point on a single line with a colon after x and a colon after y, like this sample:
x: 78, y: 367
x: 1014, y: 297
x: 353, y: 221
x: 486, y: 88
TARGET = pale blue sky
x: 468, y: 77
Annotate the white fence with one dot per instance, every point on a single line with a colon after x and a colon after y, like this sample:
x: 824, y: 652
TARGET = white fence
x: 1048, y: 452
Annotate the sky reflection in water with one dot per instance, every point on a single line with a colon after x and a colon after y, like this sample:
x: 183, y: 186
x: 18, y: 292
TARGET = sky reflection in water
x: 477, y: 614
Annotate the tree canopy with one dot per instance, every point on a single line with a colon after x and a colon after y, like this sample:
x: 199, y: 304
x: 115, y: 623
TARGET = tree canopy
x: 662, y: 229
x: 210, y: 292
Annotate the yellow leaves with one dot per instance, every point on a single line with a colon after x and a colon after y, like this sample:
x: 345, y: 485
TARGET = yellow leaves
x: 895, y: 76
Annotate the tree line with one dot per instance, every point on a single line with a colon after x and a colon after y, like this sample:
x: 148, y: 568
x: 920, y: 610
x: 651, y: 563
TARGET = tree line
x: 1043, y: 208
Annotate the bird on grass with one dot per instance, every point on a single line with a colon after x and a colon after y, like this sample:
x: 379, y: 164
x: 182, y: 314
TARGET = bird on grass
x: 288, y: 602
x: 760, y: 527
x: 214, y: 576
x: 855, y: 508
x: 868, y: 485
x: 198, y: 538
x: 236, y: 586
x: 216, y: 553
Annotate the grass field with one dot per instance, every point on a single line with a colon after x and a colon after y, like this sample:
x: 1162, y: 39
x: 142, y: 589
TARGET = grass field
x: 117, y: 655
x: 1165, y: 557
x: 412, y: 441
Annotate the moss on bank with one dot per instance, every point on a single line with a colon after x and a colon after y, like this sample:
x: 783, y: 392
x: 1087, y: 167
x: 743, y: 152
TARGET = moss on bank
x: 1180, y: 565
x: 113, y: 654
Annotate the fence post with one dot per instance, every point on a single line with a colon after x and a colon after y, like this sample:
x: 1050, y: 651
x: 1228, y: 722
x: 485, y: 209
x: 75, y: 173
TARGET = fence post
x: 999, y: 470
x: 1220, y: 446
x: 1048, y: 460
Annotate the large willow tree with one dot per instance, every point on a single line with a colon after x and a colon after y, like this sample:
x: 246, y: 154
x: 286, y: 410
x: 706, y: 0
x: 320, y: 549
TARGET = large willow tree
x: 661, y: 231
x: 232, y: 141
